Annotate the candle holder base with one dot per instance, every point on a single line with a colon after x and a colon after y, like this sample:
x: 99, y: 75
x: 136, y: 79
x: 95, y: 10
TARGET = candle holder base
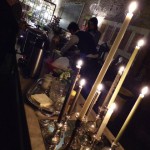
x: 74, y: 133
x: 90, y: 127
x: 59, y: 138
x: 114, y: 146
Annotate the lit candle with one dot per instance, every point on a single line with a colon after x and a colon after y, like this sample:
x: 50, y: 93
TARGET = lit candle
x: 96, y: 96
x: 113, y: 86
x: 68, y: 95
x: 109, y: 58
x: 79, y: 64
x: 105, y: 121
x: 140, y: 43
x: 141, y: 96
x: 82, y: 83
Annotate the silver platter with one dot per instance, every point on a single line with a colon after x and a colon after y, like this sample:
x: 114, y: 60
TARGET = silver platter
x: 36, y: 88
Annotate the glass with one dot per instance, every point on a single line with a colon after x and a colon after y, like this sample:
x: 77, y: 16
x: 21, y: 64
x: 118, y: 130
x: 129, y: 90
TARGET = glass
x: 57, y: 92
x: 47, y: 81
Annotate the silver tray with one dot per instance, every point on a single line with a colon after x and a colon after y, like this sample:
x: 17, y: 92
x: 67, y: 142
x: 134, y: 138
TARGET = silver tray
x: 36, y: 88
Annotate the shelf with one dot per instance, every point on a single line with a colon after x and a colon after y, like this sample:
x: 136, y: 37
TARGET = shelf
x: 40, y: 11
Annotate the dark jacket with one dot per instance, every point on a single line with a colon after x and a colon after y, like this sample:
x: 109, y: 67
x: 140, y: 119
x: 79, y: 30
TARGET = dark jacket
x: 8, y: 30
x: 86, y: 43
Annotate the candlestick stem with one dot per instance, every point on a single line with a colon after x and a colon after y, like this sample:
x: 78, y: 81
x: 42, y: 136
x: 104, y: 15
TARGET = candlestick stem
x: 123, y: 76
x: 128, y: 119
x: 68, y: 95
x: 104, y: 122
x: 110, y: 92
x: 97, y: 94
x: 74, y: 133
x: 72, y: 106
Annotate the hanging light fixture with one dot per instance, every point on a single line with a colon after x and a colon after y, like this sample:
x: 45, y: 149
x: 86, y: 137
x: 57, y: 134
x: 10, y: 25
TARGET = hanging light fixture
x: 95, y: 8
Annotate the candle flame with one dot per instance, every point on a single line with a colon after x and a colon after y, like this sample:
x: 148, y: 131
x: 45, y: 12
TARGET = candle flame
x: 82, y: 82
x: 133, y: 6
x: 113, y: 107
x: 144, y: 90
x: 121, y: 69
x: 140, y: 43
x: 100, y: 87
x: 79, y: 63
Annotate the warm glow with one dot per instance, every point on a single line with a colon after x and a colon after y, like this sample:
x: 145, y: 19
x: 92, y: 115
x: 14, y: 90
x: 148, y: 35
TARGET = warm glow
x: 144, y: 90
x: 82, y: 82
x: 100, y: 20
x: 79, y: 64
x: 100, y: 87
x: 113, y: 107
x: 92, y: 126
x: 73, y: 93
x: 121, y: 69
x: 86, y: 147
x: 133, y: 6
x: 140, y: 43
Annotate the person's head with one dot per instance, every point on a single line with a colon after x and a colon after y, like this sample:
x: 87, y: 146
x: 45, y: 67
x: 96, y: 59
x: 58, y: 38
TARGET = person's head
x: 73, y: 27
x: 92, y: 23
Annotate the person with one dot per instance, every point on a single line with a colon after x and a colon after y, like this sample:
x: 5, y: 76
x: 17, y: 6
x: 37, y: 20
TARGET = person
x: 88, y: 53
x: 92, y: 28
x: 82, y: 39
x: 16, y: 9
x: 8, y: 30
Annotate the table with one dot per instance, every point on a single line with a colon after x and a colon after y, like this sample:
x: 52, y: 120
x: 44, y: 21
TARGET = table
x: 36, y: 138
x: 32, y: 116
